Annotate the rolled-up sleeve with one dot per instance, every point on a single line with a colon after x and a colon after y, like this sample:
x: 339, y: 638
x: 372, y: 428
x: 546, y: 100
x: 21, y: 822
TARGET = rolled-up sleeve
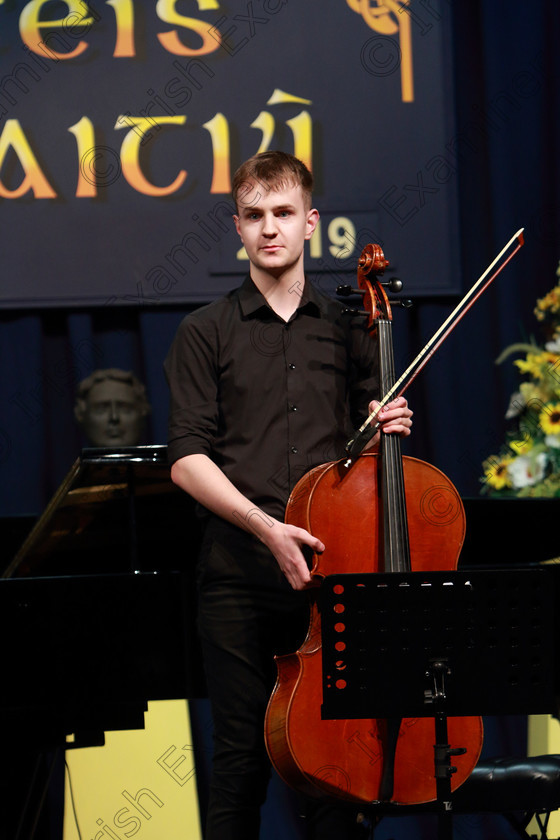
x: 191, y: 371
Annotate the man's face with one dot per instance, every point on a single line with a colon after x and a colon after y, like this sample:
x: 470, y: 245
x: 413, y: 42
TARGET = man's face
x: 112, y: 416
x: 273, y: 226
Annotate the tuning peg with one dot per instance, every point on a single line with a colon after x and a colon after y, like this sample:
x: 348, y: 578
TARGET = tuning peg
x: 350, y: 311
x: 406, y: 303
x: 346, y: 291
x: 394, y: 284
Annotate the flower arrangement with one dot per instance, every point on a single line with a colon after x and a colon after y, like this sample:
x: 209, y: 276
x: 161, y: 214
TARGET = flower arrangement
x: 529, y: 462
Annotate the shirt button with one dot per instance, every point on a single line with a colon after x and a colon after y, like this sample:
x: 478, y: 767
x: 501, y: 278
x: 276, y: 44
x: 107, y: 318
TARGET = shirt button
x: 293, y: 450
x: 292, y: 366
x: 293, y: 408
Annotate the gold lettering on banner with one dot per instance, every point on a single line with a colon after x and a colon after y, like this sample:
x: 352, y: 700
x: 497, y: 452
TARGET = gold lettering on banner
x: 170, y: 40
x: 218, y: 128
x: 31, y: 26
x: 301, y: 127
x: 55, y: 39
x: 101, y: 165
x: 124, y: 14
x: 389, y: 17
x: 14, y: 138
x: 84, y: 132
x: 130, y: 153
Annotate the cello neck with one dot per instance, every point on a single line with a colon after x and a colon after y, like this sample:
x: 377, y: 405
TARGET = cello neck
x: 395, y: 542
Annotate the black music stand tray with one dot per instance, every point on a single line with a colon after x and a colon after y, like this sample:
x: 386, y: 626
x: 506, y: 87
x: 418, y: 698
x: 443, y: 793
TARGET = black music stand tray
x: 439, y: 644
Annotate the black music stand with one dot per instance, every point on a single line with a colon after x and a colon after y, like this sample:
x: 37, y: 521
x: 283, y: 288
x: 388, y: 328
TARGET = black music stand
x: 439, y: 644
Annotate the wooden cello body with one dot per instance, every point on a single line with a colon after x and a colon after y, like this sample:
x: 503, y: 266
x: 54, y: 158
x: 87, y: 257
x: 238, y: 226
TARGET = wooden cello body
x: 379, y: 513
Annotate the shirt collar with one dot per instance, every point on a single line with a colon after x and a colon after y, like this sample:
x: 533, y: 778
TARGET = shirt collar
x: 251, y: 300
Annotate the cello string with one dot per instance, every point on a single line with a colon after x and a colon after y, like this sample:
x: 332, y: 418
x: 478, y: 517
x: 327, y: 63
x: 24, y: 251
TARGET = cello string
x: 448, y: 325
x: 395, y: 526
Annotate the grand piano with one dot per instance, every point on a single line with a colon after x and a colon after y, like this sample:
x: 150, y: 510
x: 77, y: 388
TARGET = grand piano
x: 97, y: 613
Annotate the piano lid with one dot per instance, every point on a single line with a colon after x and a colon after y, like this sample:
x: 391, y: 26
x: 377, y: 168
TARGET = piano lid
x: 116, y: 510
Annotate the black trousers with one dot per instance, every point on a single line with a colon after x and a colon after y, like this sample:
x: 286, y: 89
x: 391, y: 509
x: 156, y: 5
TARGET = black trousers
x: 247, y: 614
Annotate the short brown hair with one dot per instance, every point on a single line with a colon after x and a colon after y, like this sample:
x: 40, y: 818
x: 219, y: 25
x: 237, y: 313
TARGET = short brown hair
x: 271, y: 170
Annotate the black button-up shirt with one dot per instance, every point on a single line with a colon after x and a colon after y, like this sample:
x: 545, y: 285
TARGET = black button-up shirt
x: 264, y: 398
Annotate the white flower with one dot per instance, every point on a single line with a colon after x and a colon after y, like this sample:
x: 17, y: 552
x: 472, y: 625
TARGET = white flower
x: 525, y: 471
x: 553, y: 441
x: 553, y: 346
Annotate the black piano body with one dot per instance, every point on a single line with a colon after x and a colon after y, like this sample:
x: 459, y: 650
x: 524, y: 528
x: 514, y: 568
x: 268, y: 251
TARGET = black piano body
x: 97, y: 607
x: 97, y: 615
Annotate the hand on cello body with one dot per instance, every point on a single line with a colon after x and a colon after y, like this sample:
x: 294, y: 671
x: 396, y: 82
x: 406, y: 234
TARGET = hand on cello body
x: 285, y: 542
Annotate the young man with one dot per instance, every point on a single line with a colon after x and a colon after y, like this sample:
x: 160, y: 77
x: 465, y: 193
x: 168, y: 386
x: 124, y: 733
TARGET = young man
x: 265, y: 384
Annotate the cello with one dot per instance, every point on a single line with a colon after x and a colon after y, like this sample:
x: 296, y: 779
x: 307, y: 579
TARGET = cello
x: 402, y: 515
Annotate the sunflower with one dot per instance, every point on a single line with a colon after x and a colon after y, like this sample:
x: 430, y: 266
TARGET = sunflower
x: 496, y: 471
x: 549, y: 419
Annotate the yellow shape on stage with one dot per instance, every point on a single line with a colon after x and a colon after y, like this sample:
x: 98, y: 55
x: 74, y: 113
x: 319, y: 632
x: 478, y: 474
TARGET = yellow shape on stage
x: 544, y: 739
x: 141, y: 784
